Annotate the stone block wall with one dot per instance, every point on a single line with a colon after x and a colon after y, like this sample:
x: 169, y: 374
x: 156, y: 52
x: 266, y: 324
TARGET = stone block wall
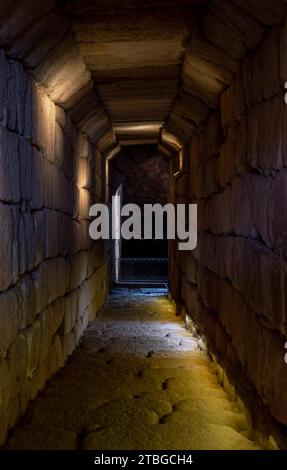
x: 53, y: 278
x: 234, y: 284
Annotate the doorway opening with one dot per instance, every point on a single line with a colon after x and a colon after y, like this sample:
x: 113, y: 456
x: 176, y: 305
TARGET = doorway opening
x: 140, y: 262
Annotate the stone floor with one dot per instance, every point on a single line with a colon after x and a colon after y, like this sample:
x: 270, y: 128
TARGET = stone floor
x: 137, y: 381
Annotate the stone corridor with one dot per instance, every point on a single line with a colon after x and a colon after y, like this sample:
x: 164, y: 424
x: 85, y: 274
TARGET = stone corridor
x: 138, y: 380
x: 155, y: 101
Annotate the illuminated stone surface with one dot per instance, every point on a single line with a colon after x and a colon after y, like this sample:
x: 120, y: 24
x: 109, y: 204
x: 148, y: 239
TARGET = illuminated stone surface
x: 137, y: 381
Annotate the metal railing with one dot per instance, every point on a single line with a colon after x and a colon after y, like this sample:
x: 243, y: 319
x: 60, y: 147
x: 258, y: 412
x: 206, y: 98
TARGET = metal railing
x: 143, y: 269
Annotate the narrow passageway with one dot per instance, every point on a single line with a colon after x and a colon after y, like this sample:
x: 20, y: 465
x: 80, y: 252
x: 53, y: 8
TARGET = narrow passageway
x: 138, y: 380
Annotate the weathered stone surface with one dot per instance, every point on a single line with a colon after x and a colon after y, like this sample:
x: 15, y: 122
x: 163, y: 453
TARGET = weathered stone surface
x: 9, y: 167
x: 33, y: 339
x: 241, y: 208
x: 9, y: 247
x: 61, y: 117
x: 191, y: 107
x: 59, y: 148
x: 3, y: 87
x: 5, y: 386
x: 56, y: 358
x: 35, y: 42
x: 213, y: 135
x: 270, y: 133
x: 84, y: 175
x: 27, y: 12
x: 27, y: 241
x: 17, y: 358
x: 70, y: 312
x: 82, y: 145
x: 278, y: 210
x: 270, y: 64
x: 19, y: 100
x: 26, y: 297
x: 268, y: 12
x: 63, y: 72
x: 231, y: 29
x: 50, y: 281
x: 282, y: 53
x: 197, y: 81
x: 226, y: 169
x: 69, y: 344
x: 44, y: 113
x: 79, y: 266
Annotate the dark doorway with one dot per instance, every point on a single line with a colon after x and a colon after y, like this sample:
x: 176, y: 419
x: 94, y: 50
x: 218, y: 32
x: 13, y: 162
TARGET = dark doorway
x: 145, y: 261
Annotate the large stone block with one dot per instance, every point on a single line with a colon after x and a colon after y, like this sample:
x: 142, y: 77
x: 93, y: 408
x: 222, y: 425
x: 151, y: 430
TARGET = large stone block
x: 282, y: 52
x: 59, y: 146
x: 211, y: 186
x: 213, y: 134
x: 50, y: 280
x: 241, y: 206
x: 279, y: 195
x: 79, y: 268
x: 50, y: 320
x: 57, y: 234
x: 267, y: 12
x: 84, y: 203
x: 26, y: 296
x: 265, y: 210
x: 70, y: 315
x: 36, y: 41
x: 40, y: 236
x: 69, y: 344
x: 219, y: 209
x: 55, y: 356
x: 25, y: 163
x: 44, y: 123
x: 37, y: 381
x: 227, y: 108
x: 270, y: 63
x: 61, y: 117
x: 274, y: 375
x: 19, y: 100
x: 253, y: 136
x: 231, y: 29
x: 63, y: 72
x: 17, y: 358
x: 9, y: 167
x: 33, y: 339
x: 241, y: 147
x: 270, y: 133
x: 9, y: 246
x: 38, y: 178
x: 3, y: 88
x: 5, y: 386
x: 84, y: 298
x: 27, y: 243
x: 239, y: 104
x: 27, y: 12
x: 226, y: 168
x: 208, y: 286
x: 83, y: 175
x: 82, y: 146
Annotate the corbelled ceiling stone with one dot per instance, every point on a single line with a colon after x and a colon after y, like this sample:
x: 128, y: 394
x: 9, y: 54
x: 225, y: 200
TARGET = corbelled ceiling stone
x: 124, y: 69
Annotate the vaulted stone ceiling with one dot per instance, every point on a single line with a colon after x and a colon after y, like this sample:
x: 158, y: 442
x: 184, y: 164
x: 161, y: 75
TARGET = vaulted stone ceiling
x: 134, y: 50
x: 126, y: 69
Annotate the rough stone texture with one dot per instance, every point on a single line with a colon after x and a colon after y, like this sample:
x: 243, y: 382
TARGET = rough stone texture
x: 138, y: 381
x: 234, y: 284
x: 47, y: 284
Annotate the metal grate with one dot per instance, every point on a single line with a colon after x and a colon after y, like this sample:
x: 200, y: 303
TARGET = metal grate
x: 143, y: 269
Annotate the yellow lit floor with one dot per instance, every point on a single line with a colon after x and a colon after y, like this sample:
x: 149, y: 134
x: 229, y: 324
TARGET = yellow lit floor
x: 137, y: 381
